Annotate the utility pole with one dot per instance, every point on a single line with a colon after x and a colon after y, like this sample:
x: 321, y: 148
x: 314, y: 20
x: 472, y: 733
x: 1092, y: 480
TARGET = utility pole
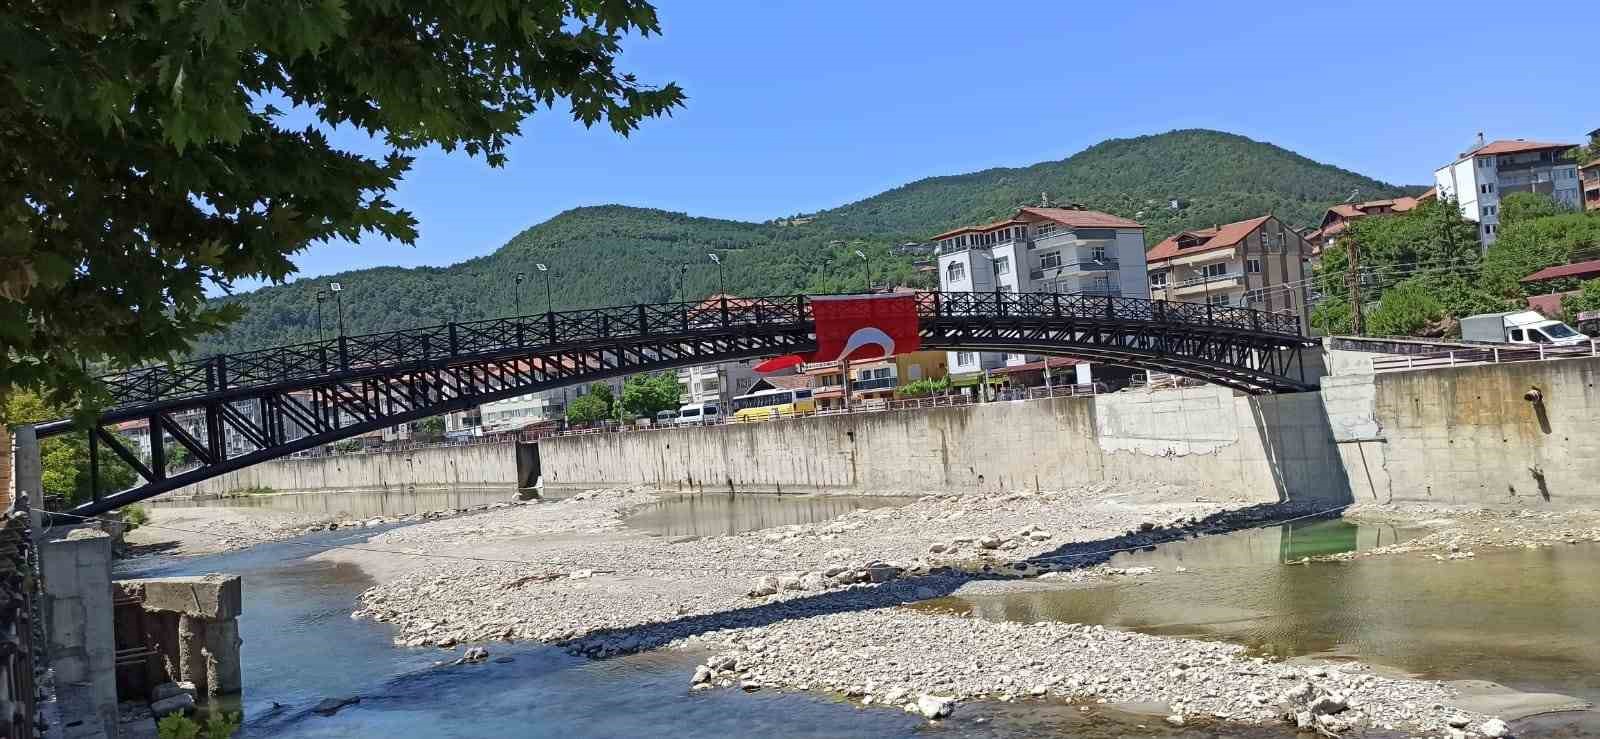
x: 721, y: 288
x: 868, y: 263
x: 321, y: 296
x: 549, y: 307
x: 1353, y: 277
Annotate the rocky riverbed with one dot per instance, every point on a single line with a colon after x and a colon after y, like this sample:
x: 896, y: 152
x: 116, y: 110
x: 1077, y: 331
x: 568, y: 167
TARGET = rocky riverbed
x: 1456, y: 533
x: 199, y: 530
x: 816, y: 606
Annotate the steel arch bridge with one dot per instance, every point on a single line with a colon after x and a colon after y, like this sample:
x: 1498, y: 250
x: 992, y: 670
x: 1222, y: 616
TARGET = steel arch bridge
x: 278, y: 401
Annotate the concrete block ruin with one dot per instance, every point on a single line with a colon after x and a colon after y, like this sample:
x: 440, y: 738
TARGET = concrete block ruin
x: 179, y: 629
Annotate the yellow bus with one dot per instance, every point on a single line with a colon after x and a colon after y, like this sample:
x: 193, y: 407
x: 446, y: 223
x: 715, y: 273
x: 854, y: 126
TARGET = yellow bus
x: 776, y: 403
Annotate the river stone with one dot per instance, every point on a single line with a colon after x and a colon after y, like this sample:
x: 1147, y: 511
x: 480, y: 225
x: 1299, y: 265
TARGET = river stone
x: 764, y: 587
x: 935, y: 707
x: 176, y: 704
x: 1494, y: 729
x: 789, y: 582
x: 330, y: 706
x: 990, y: 542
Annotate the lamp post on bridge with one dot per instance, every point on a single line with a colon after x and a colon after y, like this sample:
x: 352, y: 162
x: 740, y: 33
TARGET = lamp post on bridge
x: 517, y: 294
x: 721, y: 288
x: 338, y: 298
x: 868, y: 263
x: 549, y: 306
x: 321, y: 296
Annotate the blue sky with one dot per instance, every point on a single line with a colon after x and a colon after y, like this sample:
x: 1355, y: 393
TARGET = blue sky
x: 798, y: 106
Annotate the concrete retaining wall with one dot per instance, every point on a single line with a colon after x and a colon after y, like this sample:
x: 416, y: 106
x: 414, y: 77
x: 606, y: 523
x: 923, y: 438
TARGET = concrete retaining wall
x: 476, y: 466
x: 1466, y: 436
x: 1462, y: 436
x: 1207, y: 439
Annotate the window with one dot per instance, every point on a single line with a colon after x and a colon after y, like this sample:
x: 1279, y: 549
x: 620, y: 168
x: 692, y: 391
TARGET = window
x: 1043, y: 230
x: 1098, y: 253
x: 1488, y: 229
x: 1253, y: 266
x: 1008, y: 288
x: 1489, y: 210
x: 1485, y: 162
x: 1258, y: 295
x: 1216, y: 300
x: 1158, y: 279
x: 914, y: 372
x: 1051, y: 260
x: 1216, y: 269
x: 1516, y: 334
x: 1002, y: 265
x: 1486, y: 188
x: 966, y: 358
x: 956, y: 272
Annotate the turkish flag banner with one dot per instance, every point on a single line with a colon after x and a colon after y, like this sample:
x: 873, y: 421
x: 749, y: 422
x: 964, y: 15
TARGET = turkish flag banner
x: 865, y: 326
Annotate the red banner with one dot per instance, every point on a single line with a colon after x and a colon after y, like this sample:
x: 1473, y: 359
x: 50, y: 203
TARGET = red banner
x: 865, y: 327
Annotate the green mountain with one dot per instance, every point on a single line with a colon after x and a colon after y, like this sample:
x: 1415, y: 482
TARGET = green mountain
x: 614, y: 254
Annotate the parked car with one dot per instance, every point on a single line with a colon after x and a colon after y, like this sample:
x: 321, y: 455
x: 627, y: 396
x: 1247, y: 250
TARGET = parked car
x: 695, y: 414
x: 1519, y: 327
x: 666, y: 418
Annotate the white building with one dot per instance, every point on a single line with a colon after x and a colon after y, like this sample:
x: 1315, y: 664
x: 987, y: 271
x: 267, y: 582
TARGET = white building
x: 715, y: 383
x: 513, y: 413
x: 1477, y: 179
x: 1055, y: 250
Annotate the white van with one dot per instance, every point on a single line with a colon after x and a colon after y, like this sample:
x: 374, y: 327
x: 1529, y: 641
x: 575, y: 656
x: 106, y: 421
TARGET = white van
x: 697, y: 414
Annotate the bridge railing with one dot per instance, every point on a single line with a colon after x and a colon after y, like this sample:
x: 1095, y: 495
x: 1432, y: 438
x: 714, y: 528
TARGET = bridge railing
x: 442, y: 342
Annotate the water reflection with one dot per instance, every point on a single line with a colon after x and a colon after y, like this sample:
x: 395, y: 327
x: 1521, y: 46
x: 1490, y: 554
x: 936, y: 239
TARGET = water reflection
x: 354, y: 504
x: 1523, y: 618
x: 721, y: 514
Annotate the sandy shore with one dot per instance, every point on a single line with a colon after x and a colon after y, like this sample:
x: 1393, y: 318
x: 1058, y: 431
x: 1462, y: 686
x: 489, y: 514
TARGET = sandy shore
x: 815, y: 607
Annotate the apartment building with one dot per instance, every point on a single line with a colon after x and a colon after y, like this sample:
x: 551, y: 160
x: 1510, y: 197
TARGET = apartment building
x: 1477, y: 179
x: 514, y: 413
x: 874, y: 379
x: 1589, y: 176
x: 1065, y: 250
x: 715, y: 383
x: 1259, y: 263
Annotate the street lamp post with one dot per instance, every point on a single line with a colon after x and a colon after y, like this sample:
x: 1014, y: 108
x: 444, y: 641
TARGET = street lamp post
x: 321, y: 296
x: 338, y: 298
x: 683, y: 281
x: 549, y: 307
x: 721, y: 289
x: 868, y: 263
x: 517, y: 293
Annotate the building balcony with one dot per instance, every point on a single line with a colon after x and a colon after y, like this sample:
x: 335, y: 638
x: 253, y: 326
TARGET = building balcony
x: 985, y: 247
x: 1202, y: 285
x: 1083, y: 266
x: 876, y: 383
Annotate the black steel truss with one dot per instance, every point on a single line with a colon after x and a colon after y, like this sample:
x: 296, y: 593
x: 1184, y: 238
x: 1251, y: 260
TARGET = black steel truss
x: 283, y: 400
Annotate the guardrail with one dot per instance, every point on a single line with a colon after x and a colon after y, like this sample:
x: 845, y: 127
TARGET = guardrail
x: 1487, y: 355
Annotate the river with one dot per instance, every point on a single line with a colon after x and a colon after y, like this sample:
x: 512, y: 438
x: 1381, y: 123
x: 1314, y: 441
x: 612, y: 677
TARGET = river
x: 1530, y: 624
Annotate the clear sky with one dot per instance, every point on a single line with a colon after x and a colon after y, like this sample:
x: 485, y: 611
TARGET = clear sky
x: 797, y: 106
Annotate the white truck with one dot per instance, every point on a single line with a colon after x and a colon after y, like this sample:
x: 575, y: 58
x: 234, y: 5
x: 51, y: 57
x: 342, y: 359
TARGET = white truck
x: 1519, y: 327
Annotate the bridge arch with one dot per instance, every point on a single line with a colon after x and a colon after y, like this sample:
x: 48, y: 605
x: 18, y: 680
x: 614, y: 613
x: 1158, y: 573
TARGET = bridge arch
x: 287, y: 399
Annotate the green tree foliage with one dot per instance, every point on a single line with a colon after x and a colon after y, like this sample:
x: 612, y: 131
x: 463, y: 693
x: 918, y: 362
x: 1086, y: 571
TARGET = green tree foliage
x: 1407, y: 309
x: 617, y: 255
x: 923, y: 388
x: 1431, y: 248
x: 1588, y: 153
x: 645, y: 395
x: 217, y: 726
x: 1587, y: 298
x: 1517, y: 207
x: 1525, y: 247
x: 145, y: 154
x: 431, y: 427
x: 593, y: 405
x: 65, y: 458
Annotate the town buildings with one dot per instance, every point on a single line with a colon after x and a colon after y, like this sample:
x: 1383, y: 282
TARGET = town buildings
x: 873, y: 379
x: 1259, y: 263
x: 1589, y: 176
x: 1337, y: 218
x: 715, y: 383
x: 1065, y: 250
x: 1479, y: 178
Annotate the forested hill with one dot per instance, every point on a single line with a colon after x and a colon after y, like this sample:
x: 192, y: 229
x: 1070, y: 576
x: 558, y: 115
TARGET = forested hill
x: 1219, y: 177
x: 614, y: 254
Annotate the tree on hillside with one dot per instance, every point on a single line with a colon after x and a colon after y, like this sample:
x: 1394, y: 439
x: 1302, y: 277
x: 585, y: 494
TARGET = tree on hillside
x: 1517, y: 207
x: 146, y: 154
x: 645, y: 395
x: 1586, y: 299
x: 1527, y: 246
x: 1589, y: 152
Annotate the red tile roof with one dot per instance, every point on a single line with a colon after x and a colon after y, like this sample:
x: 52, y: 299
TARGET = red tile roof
x: 1586, y: 270
x: 1065, y: 216
x: 1221, y: 237
x: 1549, y: 304
x: 1514, y: 146
x: 1080, y: 218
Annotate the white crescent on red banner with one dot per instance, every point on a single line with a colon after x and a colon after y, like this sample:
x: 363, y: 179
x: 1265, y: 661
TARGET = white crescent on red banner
x: 858, y: 327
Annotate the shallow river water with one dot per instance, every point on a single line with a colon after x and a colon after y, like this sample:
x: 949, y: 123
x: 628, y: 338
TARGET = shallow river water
x: 1525, y: 625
